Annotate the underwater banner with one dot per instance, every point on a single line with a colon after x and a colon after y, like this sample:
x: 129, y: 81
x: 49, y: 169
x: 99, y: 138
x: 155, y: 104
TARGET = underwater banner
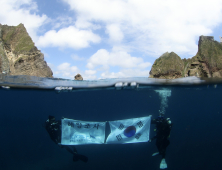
x: 75, y: 132
x: 129, y: 130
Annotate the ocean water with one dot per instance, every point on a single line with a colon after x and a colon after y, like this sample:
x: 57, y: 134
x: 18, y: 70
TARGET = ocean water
x: 195, y: 141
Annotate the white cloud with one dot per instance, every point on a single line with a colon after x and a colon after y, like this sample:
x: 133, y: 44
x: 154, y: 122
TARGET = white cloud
x: 66, y: 67
x: 66, y: 70
x: 77, y: 58
x: 126, y: 73
x: 62, y: 21
x: 70, y: 37
x: 152, y: 26
x: 89, y: 77
x: 128, y: 66
x: 82, y: 23
x: 115, y: 58
x: 90, y: 72
x: 114, y: 32
x: 102, y: 62
x: 14, y: 12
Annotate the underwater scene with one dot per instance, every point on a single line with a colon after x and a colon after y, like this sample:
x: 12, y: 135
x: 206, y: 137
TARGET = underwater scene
x: 195, y: 138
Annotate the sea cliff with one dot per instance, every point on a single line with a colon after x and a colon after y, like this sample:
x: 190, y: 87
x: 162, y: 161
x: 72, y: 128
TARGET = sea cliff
x: 206, y: 63
x: 19, y: 55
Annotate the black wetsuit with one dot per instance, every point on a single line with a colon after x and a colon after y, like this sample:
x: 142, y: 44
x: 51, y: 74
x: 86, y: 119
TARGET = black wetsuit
x: 53, y: 128
x: 163, y: 128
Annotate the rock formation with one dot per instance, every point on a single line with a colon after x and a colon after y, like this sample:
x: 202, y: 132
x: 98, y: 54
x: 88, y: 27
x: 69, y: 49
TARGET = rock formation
x: 167, y: 66
x: 208, y: 60
x: 206, y: 63
x: 18, y: 54
x: 78, y: 77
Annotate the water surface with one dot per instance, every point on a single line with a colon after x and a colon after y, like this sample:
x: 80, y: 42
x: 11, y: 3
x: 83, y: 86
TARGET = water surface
x: 195, y: 111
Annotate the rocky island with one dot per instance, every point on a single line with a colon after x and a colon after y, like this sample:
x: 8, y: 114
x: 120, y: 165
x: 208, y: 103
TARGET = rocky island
x: 19, y: 55
x: 206, y: 63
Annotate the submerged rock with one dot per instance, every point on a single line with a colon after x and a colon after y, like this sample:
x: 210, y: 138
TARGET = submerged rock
x: 19, y: 55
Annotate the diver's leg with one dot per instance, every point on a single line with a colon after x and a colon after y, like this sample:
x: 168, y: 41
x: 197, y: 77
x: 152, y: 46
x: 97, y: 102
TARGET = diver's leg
x: 77, y: 156
x: 68, y: 149
x: 158, y: 145
x: 166, y: 143
x: 163, y: 164
x: 82, y: 158
x: 161, y: 149
x: 74, y: 149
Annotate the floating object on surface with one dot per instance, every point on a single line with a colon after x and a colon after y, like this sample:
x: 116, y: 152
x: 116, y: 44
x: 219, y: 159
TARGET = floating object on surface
x: 63, y: 88
x: 5, y: 87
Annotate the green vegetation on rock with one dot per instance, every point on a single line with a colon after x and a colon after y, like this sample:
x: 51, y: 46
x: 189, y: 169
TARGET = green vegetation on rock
x: 169, y: 65
x: 206, y: 63
x: 210, y: 52
x: 18, y: 54
x: 18, y: 37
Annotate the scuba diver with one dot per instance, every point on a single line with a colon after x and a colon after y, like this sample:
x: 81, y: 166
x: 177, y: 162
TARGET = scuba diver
x: 53, y: 127
x: 163, y: 128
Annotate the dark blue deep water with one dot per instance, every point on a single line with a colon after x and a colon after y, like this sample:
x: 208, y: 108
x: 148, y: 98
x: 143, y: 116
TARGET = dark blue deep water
x: 196, y: 136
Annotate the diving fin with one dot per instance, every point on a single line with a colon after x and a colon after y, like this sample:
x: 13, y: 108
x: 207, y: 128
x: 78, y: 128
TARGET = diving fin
x: 156, y: 153
x: 163, y: 164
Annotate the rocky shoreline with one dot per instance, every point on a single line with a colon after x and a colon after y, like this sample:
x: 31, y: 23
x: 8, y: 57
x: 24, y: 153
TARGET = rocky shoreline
x: 207, y: 63
x: 19, y: 55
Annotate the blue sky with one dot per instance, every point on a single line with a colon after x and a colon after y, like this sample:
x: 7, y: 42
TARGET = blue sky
x: 113, y: 38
